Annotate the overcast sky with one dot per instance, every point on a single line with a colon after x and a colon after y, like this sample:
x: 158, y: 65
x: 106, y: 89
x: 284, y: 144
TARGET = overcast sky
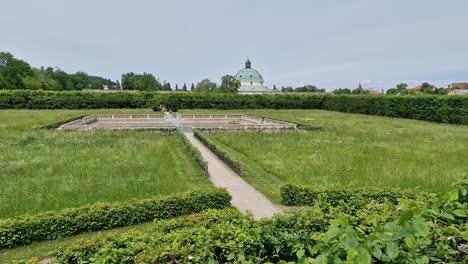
x: 327, y: 43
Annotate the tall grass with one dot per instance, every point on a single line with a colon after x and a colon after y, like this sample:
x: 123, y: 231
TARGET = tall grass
x: 351, y: 151
x: 48, y: 170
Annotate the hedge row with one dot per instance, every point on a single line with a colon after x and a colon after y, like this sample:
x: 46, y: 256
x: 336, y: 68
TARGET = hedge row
x: 235, y: 165
x: 24, y: 99
x: 102, y: 216
x: 194, y: 151
x: 294, y: 195
x: 444, y: 109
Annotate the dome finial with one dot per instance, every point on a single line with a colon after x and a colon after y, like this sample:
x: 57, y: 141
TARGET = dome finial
x: 247, y: 64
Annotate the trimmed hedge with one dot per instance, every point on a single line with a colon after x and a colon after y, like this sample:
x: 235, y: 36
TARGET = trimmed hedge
x: 443, y: 109
x: 294, y: 195
x: 235, y: 165
x: 102, y: 216
x: 27, y: 99
x: 194, y: 151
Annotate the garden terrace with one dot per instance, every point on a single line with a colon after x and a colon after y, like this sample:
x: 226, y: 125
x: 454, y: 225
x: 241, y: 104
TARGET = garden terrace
x: 142, y: 121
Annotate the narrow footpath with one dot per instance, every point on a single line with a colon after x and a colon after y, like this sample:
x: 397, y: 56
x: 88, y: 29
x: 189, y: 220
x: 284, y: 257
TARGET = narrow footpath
x: 244, y: 196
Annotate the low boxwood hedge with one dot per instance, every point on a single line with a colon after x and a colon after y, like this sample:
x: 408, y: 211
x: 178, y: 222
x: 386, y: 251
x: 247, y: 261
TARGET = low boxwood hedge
x: 101, y: 216
x: 193, y: 151
x: 294, y: 195
x: 234, y: 164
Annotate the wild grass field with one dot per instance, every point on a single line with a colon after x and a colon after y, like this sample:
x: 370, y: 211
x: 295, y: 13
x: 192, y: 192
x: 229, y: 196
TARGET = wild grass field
x: 351, y: 151
x: 44, y: 169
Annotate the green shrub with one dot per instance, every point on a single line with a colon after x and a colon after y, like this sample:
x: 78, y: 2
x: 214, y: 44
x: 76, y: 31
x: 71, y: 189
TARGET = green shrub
x: 413, y: 231
x: 194, y: 151
x: 234, y: 164
x: 294, y: 195
x: 101, y: 216
x: 445, y: 109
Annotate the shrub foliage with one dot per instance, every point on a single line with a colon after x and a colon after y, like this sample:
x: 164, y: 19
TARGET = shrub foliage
x: 445, y: 109
x: 193, y: 151
x: 101, y: 216
x: 411, y: 231
x: 234, y: 164
x: 294, y: 195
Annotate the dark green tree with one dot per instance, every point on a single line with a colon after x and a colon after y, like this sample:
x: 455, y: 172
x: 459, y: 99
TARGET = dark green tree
x: 184, y: 88
x: 229, y: 84
x: 427, y: 88
x: 205, y: 86
x: 342, y: 91
x: 12, y: 71
x: 307, y: 89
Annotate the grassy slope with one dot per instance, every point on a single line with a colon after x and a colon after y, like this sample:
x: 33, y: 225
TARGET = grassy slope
x: 48, y: 170
x: 352, y: 150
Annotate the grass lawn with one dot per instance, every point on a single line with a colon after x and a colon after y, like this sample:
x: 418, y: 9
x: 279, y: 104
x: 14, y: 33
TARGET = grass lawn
x: 44, y: 170
x: 351, y: 151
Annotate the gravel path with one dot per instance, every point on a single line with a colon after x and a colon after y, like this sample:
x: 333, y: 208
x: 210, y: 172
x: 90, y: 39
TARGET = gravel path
x: 244, y: 196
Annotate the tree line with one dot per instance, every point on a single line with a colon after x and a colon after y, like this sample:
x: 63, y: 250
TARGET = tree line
x: 18, y: 74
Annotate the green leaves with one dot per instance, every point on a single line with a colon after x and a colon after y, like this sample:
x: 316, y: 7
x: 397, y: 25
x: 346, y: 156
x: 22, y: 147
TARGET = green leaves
x: 391, y: 252
x: 102, y: 216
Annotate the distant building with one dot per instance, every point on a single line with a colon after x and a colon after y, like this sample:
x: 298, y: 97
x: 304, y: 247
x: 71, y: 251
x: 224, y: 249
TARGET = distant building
x: 251, y: 81
x: 457, y: 91
x: 374, y: 91
x: 419, y: 88
x: 458, y: 85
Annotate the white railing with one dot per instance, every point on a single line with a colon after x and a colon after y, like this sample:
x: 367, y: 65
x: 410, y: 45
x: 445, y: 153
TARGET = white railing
x: 138, y: 116
x: 185, y: 116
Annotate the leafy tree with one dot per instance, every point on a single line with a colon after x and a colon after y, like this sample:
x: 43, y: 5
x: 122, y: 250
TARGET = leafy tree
x: 142, y: 82
x: 307, y: 89
x: 184, y: 88
x: 427, y: 88
x: 360, y: 90
x: 440, y: 91
x: 32, y: 83
x: 166, y: 86
x: 12, y: 71
x: 342, y: 91
x: 287, y: 89
x: 229, y: 84
x: 176, y: 87
x: 402, y: 88
x: 205, y: 86
x: 192, y: 87
x: 392, y: 91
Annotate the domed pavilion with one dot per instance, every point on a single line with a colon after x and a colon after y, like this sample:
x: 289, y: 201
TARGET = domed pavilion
x: 251, y: 80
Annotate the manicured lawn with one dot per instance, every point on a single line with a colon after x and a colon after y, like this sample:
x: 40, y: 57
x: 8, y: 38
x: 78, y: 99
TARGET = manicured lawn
x: 351, y: 151
x: 44, y: 170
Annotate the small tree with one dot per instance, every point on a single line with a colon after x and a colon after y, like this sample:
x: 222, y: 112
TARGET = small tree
x: 205, y: 86
x: 427, y: 88
x: 392, y: 91
x: 229, y: 84
x: 184, y: 88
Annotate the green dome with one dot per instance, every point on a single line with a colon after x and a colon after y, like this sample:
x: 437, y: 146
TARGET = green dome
x: 248, y: 74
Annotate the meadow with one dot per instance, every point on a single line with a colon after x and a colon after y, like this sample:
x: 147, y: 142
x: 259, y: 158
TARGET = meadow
x: 43, y: 169
x: 351, y: 151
